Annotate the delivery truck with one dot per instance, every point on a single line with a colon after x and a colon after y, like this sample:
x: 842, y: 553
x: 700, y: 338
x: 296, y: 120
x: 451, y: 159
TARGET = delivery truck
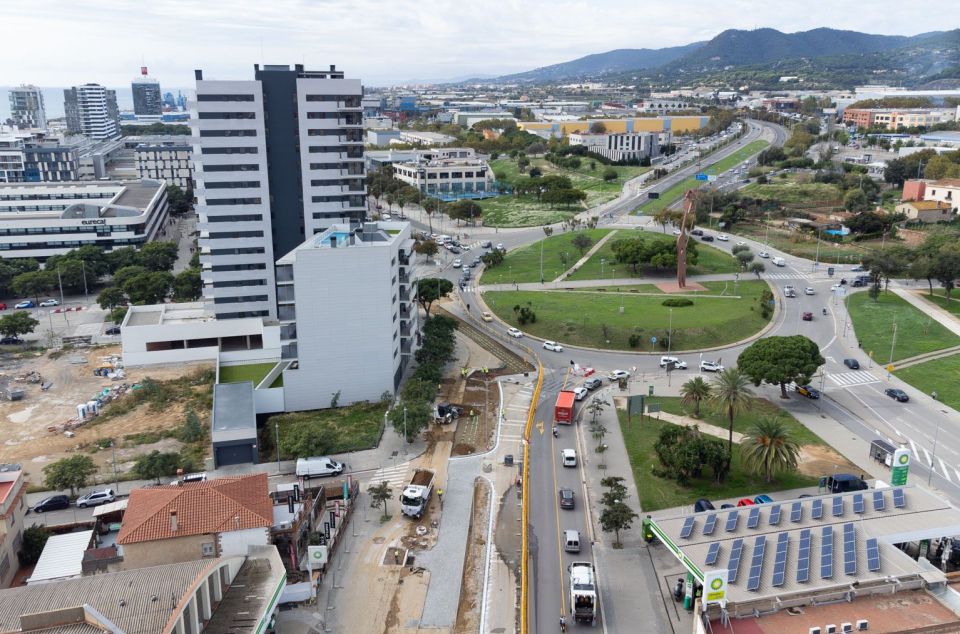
x: 583, y: 592
x: 563, y: 412
x: 416, y: 495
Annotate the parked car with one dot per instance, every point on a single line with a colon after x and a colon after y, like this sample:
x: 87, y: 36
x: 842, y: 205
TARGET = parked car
x: 113, y: 331
x: 514, y: 332
x: 726, y: 506
x: 707, y: 238
x: 676, y: 232
x: 897, y: 395
x: 457, y: 263
x: 763, y: 498
x: 853, y: 364
x: 857, y: 269
x: 475, y: 263
x: 453, y: 249
x: 95, y: 498
x: 486, y: 244
x: 809, y: 392
x: 3, y: 306
x: 710, y: 366
x: 697, y: 232
x: 723, y: 237
x: 741, y: 243
x: 745, y: 502
x: 49, y: 302
x: 569, y: 457
x: 677, y: 363
x: 807, y: 316
x: 616, y: 375
x: 552, y: 345
x: 703, y: 504
x: 52, y: 503
x: 592, y: 383
x: 566, y: 498
x: 11, y: 341
x: 500, y: 247
x: 485, y: 316
x: 809, y: 291
x: 764, y: 255
x: 27, y: 303
x: 580, y: 393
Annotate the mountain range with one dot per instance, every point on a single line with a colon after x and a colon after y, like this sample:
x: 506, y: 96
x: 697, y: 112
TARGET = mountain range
x: 828, y: 56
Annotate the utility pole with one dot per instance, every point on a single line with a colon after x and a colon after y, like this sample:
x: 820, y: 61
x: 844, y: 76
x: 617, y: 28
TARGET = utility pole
x: 670, y: 333
x: 83, y: 267
x: 277, y: 427
x: 541, y: 260
x: 405, y: 431
x: 933, y: 457
x: 892, y: 345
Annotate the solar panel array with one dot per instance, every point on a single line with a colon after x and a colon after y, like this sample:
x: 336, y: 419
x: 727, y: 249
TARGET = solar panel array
x: 687, y: 527
x: 780, y: 562
x: 849, y: 550
x: 733, y: 566
x: 774, y: 518
x: 712, y: 554
x: 710, y: 524
x: 756, y: 565
x: 796, y: 512
x: 732, y: 521
x: 898, y: 499
x: 803, y: 558
x: 878, y: 500
x: 754, y: 519
x: 873, y: 555
x: 837, y: 506
x: 858, y: 503
x: 826, y: 552
x: 817, y: 510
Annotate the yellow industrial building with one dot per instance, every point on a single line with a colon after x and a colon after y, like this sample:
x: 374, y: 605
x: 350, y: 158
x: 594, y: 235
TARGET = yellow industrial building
x: 675, y: 125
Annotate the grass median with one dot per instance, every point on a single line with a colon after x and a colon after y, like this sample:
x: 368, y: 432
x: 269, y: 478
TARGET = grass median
x: 523, y: 264
x: 940, y: 375
x: 591, y: 317
x: 917, y: 333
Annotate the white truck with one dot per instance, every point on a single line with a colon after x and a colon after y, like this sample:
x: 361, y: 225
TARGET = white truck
x: 583, y: 592
x: 318, y: 466
x: 414, y: 498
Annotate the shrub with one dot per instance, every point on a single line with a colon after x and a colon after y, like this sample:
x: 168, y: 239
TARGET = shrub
x: 634, y: 340
x: 677, y: 302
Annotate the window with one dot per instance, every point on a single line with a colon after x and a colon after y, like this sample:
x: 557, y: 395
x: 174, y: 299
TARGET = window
x: 237, y: 300
x: 250, y: 218
x: 207, y: 97
x: 228, y: 150
x: 231, y: 168
x: 228, y: 133
x: 232, y: 184
x: 226, y: 235
x: 235, y: 283
x: 244, y: 251
x: 234, y: 201
x: 207, y: 549
x: 239, y: 267
x: 226, y: 115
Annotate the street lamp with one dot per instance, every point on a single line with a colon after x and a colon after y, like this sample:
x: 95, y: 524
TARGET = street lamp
x: 670, y: 333
x: 405, y: 431
x: 277, y: 428
x: 933, y: 457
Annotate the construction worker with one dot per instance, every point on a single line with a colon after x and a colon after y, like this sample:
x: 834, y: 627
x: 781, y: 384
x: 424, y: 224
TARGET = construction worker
x: 440, y: 495
x: 396, y: 556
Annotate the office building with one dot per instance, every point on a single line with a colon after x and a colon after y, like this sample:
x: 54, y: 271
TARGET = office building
x: 276, y: 159
x: 28, y: 158
x: 896, y: 118
x: 26, y: 107
x: 358, y: 343
x: 166, y: 158
x: 626, y: 147
x: 13, y: 508
x: 446, y: 171
x: 40, y: 220
x: 146, y: 94
x: 673, y: 124
x: 91, y: 110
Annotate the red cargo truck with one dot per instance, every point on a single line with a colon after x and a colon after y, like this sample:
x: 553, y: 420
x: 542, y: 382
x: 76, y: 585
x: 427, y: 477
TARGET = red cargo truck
x: 563, y: 412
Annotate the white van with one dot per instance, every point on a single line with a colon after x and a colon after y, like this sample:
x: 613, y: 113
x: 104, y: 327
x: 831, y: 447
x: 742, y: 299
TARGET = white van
x: 571, y: 541
x: 779, y: 262
x: 318, y: 467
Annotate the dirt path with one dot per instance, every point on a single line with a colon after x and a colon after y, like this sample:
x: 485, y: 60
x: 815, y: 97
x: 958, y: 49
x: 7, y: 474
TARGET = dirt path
x: 471, y: 593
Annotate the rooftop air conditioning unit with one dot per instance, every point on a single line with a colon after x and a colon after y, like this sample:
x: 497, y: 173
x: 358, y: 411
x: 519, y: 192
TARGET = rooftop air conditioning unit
x: 815, y: 629
x: 863, y: 625
x: 846, y: 628
x: 830, y: 629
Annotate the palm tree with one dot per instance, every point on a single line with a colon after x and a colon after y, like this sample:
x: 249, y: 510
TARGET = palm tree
x: 694, y: 391
x: 731, y: 392
x: 769, y: 449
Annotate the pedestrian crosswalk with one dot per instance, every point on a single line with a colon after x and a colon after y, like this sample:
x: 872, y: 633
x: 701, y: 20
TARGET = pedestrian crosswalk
x: 397, y: 476
x: 849, y: 379
x: 786, y: 276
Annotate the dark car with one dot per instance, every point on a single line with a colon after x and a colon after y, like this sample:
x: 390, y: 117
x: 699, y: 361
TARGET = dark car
x: 11, y: 341
x: 703, y: 504
x: 697, y: 232
x: 592, y: 383
x: 807, y: 316
x: 857, y: 283
x: 707, y: 238
x: 809, y: 392
x: 112, y: 330
x: 853, y: 364
x: 726, y: 506
x: 52, y: 503
x: 897, y: 395
x: 566, y: 498
x: 486, y: 244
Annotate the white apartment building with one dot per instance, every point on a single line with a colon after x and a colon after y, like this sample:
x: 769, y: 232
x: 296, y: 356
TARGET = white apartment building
x: 91, y: 110
x: 26, y: 107
x: 348, y: 314
x: 945, y: 190
x: 13, y: 508
x: 38, y: 220
x: 276, y: 160
x: 446, y: 171
x: 168, y: 160
x: 621, y: 147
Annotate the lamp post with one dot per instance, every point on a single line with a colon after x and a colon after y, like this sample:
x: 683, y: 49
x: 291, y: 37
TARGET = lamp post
x: 892, y: 346
x: 933, y: 457
x: 276, y: 426
x: 404, y: 431
x: 670, y: 333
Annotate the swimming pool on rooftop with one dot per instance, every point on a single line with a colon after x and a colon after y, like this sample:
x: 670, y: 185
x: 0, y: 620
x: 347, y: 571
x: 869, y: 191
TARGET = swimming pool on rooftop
x: 341, y: 237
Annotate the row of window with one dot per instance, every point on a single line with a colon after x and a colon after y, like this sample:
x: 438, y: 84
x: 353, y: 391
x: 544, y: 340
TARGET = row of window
x: 353, y: 201
x: 250, y: 266
x: 244, y: 167
x: 248, y: 218
x: 31, y: 231
x: 210, y: 97
x: 217, y: 202
x: 69, y: 196
x: 228, y: 150
x: 68, y: 244
x: 351, y: 151
x: 237, y: 300
x: 236, y: 283
x: 348, y: 101
x: 232, y: 184
x: 239, y: 251
x: 353, y: 169
x: 227, y: 133
x: 334, y: 182
x: 226, y: 235
x: 244, y: 313
x: 226, y: 115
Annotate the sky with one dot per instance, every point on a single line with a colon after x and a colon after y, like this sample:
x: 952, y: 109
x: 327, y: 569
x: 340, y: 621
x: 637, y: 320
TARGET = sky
x: 64, y: 42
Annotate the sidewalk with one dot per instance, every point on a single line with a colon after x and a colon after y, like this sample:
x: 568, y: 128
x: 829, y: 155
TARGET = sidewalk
x: 940, y: 315
x: 602, y: 241
x: 606, y: 283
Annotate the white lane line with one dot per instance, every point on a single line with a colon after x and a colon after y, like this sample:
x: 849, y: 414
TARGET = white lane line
x: 927, y: 457
x: 958, y: 473
x: 913, y: 447
x: 945, y: 471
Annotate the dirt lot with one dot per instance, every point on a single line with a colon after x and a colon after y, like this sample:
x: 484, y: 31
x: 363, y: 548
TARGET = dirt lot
x: 24, y: 435
x: 816, y: 460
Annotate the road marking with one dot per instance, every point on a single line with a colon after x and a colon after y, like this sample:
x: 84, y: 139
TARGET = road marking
x: 556, y: 512
x: 958, y: 473
x: 944, y: 467
x: 927, y: 457
x: 849, y: 379
x: 913, y: 447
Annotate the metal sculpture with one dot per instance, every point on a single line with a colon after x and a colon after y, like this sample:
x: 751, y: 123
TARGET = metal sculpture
x: 688, y: 202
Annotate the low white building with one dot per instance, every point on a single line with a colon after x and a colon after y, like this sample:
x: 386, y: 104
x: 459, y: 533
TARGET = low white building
x: 167, y: 160
x: 663, y: 106
x: 38, y: 220
x: 424, y: 138
x: 622, y: 147
x: 446, y: 171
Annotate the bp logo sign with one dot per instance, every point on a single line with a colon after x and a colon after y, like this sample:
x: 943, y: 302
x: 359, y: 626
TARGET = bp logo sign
x: 904, y: 459
x: 716, y: 583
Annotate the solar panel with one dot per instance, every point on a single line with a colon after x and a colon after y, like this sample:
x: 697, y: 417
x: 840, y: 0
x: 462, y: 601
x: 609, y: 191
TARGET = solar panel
x: 712, y: 554
x: 898, y: 500
x: 732, y: 521
x: 754, y: 519
x: 878, y: 500
x: 780, y: 563
x: 826, y: 553
x: 687, y: 528
x: 837, y: 506
x: 873, y: 555
x: 803, y: 558
x: 817, y: 511
x: 733, y: 566
x: 796, y: 512
x: 774, y: 518
x: 858, y: 503
x: 756, y: 565
x: 710, y: 524
x: 849, y: 550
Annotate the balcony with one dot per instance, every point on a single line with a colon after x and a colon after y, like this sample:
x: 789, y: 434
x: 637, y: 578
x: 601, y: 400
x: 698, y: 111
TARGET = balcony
x: 286, y: 313
x: 284, y: 273
x: 288, y: 332
x: 288, y: 351
x: 285, y: 294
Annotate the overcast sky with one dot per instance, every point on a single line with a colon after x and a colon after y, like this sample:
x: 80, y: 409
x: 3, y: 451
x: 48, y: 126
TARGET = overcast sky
x: 61, y: 43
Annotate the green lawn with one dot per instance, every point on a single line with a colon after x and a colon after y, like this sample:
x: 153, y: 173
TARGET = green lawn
x: 659, y: 493
x: 320, y: 432
x: 940, y: 375
x: 254, y: 372
x: 939, y: 298
x: 523, y: 264
x: 916, y: 333
x: 804, y: 245
x: 590, y: 318
x: 709, y: 260
x: 790, y: 191
x: 762, y: 409
x: 676, y: 191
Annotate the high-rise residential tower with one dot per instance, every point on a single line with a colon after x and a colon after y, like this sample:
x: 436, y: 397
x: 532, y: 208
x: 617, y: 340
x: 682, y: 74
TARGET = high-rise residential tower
x: 91, y: 110
x: 146, y: 95
x: 26, y: 107
x: 277, y: 159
